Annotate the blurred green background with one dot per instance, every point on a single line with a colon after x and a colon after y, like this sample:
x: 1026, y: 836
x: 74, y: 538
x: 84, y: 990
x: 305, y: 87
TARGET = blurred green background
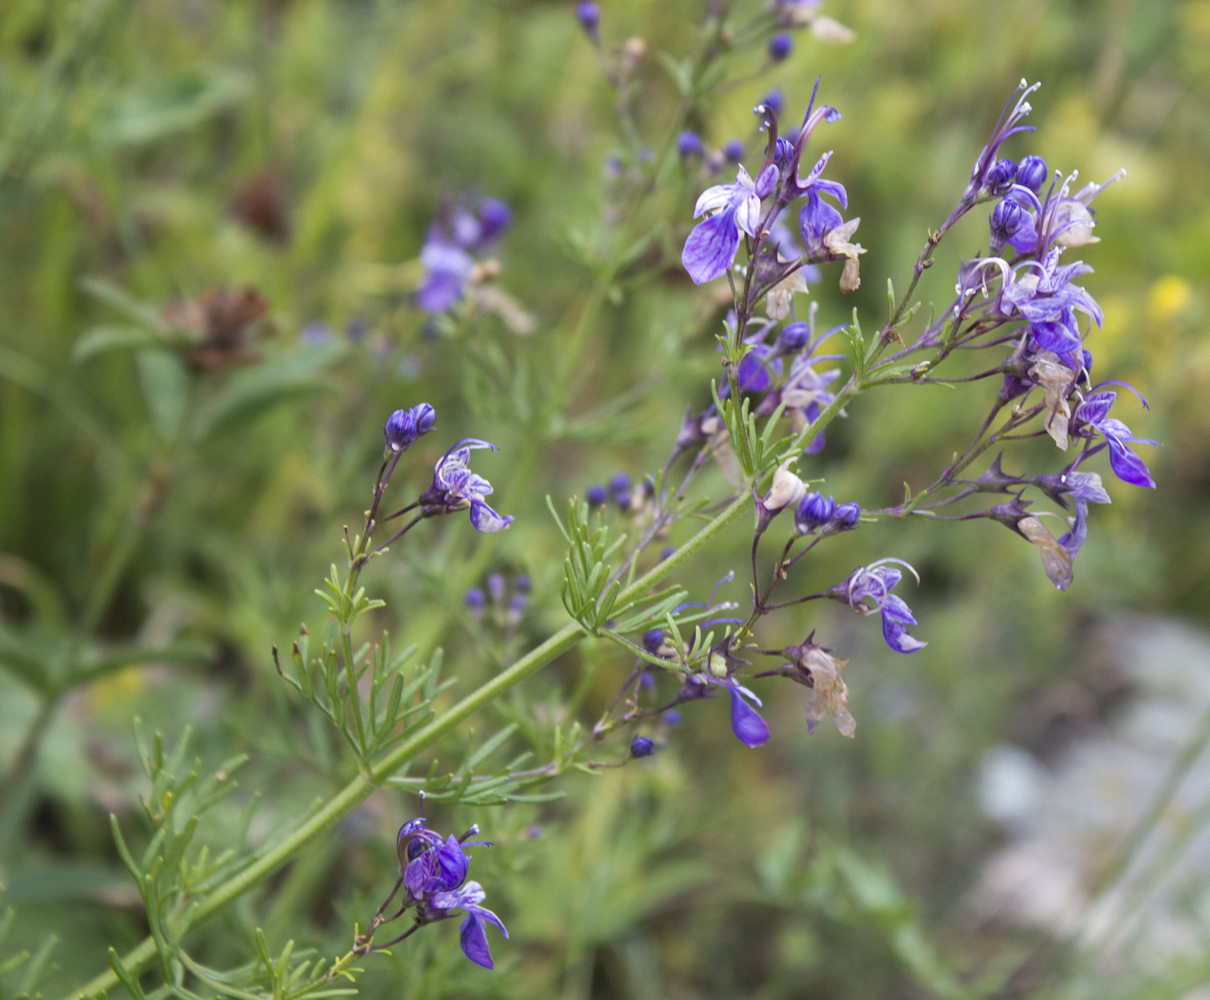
x: 163, y: 525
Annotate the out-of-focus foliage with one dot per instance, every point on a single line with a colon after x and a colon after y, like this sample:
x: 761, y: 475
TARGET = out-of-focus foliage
x: 169, y: 498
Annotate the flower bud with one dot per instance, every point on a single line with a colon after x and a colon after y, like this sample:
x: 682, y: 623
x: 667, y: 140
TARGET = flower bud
x: 425, y: 417
x: 1032, y: 173
x: 814, y: 511
x: 780, y: 46
x: 786, y: 490
x: 595, y: 495
x: 1000, y: 176
x: 794, y: 337
x: 641, y: 746
x: 734, y: 151
x: 589, y: 16
x: 475, y: 600
x: 400, y: 430
x: 1006, y: 220
x: 846, y: 516
x: 689, y: 145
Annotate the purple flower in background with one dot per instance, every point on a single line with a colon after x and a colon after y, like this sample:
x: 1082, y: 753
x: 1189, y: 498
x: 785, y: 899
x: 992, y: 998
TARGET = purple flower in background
x: 780, y: 46
x: 689, y: 145
x: 445, y: 268
x: 1093, y: 415
x: 455, y: 487
x: 588, y: 14
x: 874, y: 584
x: 446, y: 259
x: 712, y: 245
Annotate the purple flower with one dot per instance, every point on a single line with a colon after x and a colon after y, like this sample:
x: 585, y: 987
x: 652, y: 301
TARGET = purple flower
x: 445, y: 259
x: 433, y: 875
x: 734, y: 150
x: 1093, y: 415
x: 712, y: 245
x: 445, y: 270
x: 472, y: 936
x: 455, y: 487
x: 747, y: 725
x: 874, y: 584
x: 1084, y: 488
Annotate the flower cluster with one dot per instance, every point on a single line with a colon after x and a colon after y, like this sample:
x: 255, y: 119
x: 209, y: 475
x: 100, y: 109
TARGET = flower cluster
x: 458, y: 234
x: 753, y: 207
x: 432, y: 874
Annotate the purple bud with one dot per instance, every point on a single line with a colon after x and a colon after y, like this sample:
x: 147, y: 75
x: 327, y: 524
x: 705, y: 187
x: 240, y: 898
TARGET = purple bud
x: 522, y: 583
x: 595, y: 495
x: 689, y: 145
x: 495, y: 586
x: 1007, y: 218
x: 813, y: 511
x: 846, y: 516
x: 734, y: 151
x: 1000, y: 176
x: 494, y: 217
x: 794, y: 337
x: 783, y: 151
x: 589, y: 16
x: 1032, y: 173
x: 516, y: 607
x: 667, y: 551
x: 475, y: 600
x: 653, y: 640
x: 672, y: 717
x: 619, y: 482
x: 623, y: 499
x: 400, y: 430
x: 641, y: 746
x: 425, y: 417
x: 780, y: 46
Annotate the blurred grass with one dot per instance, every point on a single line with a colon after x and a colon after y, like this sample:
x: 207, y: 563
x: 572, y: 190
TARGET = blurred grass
x: 127, y: 134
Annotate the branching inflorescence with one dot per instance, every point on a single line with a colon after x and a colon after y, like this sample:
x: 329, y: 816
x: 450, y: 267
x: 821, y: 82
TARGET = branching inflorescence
x: 787, y: 377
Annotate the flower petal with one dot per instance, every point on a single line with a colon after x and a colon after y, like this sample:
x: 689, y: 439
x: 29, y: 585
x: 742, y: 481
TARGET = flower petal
x: 746, y: 723
x: 473, y: 939
x: 711, y: 248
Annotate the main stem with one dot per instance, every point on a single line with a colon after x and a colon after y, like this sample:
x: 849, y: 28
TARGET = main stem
x: 360, y: 788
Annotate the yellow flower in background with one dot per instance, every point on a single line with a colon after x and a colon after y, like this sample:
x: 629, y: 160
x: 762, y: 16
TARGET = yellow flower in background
x: 1168, y: 299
